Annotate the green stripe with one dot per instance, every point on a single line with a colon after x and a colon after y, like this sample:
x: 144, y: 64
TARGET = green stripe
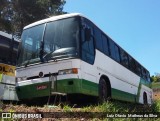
x: 121, y: 95
x: 74, y: 86
x: 138, y: 92
x: 82, y: 86
x: 30, y: 91
x: 142, y: 82
x: 69, y: 86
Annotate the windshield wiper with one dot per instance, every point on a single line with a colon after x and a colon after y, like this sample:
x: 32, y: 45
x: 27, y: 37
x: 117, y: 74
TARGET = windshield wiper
x: 60, y: 53
x: 26, y: 63
x: 48, y: 56
x: 31, y: 61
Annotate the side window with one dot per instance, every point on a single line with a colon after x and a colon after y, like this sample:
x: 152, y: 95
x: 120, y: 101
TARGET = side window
x: 105, y: 44
x: 138, y: 69
x: 132, y: 64
x: 144, y: 73
x: 98, y: 38
x: 15, y: 52
x: 111, y: 49
x: 88, y: 50
x: 4, y: 50
x: 124, y: 58
x: 117, y: 54
x: 148, y: 77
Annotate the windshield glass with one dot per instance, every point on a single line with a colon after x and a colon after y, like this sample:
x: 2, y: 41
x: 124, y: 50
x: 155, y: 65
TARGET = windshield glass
x: 30, y: 47
x: 60, y: 41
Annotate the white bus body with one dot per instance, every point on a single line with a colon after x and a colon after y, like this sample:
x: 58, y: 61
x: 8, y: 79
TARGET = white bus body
x: 81, y: 68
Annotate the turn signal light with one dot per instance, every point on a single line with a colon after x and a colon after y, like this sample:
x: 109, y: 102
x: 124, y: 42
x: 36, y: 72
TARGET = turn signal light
x: 68, y: 71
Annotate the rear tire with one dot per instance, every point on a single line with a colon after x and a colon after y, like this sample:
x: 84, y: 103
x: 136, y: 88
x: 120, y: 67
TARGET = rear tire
x: 103, y: 94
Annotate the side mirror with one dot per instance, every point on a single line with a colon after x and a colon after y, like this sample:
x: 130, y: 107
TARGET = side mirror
x: 87, y: 34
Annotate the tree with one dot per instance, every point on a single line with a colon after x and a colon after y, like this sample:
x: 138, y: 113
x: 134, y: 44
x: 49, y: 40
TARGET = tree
x: 5, y: 13
x: 15, y: 14
x: 155, y: 78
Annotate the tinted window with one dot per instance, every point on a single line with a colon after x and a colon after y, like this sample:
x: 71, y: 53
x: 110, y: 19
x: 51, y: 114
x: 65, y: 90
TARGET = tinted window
x: 144, y: 74
x: 88, y: 51
x: 124, y: 58
x: 5, y: 50
x: 61, y: 34
x: 111, y: 49
x: 138, y: 69
x: 132, y: 64
x: 30, y: 46
x: 148, y: 76
x: 105, y: 45
x: 14, y: 52
x: 97, y: 36
x: 88, y: 46
x: 117, y: 54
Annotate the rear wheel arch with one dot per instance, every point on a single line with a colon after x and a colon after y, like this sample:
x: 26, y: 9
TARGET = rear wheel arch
x: 145, y: 99
x: 104, y: 92
x: 108, y: 84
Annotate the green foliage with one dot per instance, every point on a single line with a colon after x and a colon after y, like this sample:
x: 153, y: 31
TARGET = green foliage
x: 123, y: 107
x: 67, y: 108
x: 117, y: 106
x: 15, y: 14
x: 156, y: 106
x: 1, y: 105
x: 155, y: 78
x: 5, y: 15
x: 156, y: 85
x: 90, y: 112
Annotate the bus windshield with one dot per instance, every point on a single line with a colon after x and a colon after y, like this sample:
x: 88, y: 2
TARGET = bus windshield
x: 50, y: 41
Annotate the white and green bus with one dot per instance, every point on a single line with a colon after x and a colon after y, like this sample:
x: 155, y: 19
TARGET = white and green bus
x: 8, y: 57
x: 69, y: 54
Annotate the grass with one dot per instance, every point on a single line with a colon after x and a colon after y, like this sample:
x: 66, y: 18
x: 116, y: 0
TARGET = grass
x: 93, y: 112
x: 1, y: 104
x: 117, y: 109
x: 156, y: 85
x: 156, y: 106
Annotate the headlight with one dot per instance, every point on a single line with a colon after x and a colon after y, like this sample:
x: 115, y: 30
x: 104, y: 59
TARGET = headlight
x: 18, y: 79
x: 68, y: 71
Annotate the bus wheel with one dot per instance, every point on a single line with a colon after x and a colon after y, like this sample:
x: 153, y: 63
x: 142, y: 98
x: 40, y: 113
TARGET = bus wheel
x: 102, y: 91
x: 145, y: 101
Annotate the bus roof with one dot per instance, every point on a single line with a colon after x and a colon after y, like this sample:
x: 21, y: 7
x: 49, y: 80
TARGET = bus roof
x: 8, y: 36
x: 53, y: 18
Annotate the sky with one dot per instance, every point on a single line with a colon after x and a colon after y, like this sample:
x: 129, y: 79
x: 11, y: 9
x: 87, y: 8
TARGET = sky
x: 132, y: 24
